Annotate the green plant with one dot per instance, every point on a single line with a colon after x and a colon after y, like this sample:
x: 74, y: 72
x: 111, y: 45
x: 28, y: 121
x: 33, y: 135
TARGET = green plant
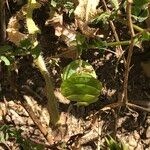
x: 114, y: 145
x: 7, y: 133
x: 80, y: 83
x: 39, y: 62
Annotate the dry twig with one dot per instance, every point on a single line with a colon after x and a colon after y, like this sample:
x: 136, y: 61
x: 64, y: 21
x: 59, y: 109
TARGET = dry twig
x: 113, y: 28
x: 2, y: 22
x: 37, y: 122
x: 130, y: 51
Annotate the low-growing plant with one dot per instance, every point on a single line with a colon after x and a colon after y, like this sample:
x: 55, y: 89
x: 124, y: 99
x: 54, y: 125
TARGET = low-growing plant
x: 114, y: 145
x: 10, y: 133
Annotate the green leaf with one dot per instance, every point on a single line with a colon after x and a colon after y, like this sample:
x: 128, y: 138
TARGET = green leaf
x: 81, y: 87
x: 53, y: 3
x: 25, y: 44
x: 78, y: 66
x: 102, y: 19
x: 114, y: 145
x: 5, y: 60
x: 80, y: 39
x: 140, y: 3
x: 145, y: 36
x: 115, y: 4
x: 5, y: 48
x: 35, y: 52
x: 140, y: 14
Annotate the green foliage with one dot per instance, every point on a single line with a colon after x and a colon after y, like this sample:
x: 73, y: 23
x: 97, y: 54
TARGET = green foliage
x: 102, y: 19
x: 7, y: 133
x: 140, y: 10
x: 140, y: 14
x: 70, y: 7
x: 80, y: 83
x: 5, y: 54
x: 141, y: 3
x: 26, y: 47
x: 145, y: 36
x: 78, y: 66
x: 114, y: 145
x: 84, y: 43
x: 115, y: 4
x: 5, y: 60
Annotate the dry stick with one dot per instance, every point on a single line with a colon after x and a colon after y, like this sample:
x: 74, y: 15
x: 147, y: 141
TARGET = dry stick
x: 116, y: 69
x: 130, y: 51
x: 4, y: 145
x: 120, y: 104
x: 2, y: 22
x: 113, y: 27
x: 138, y: 107
x: 31, y: 113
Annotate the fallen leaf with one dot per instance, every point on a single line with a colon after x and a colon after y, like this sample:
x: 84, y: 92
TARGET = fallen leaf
x: 84, y: 12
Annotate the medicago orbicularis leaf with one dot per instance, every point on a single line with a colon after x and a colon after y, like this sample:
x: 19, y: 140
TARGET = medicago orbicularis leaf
x: 80, y: 83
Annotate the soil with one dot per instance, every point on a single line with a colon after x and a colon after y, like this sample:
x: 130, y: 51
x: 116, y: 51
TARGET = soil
x: 84, y: 128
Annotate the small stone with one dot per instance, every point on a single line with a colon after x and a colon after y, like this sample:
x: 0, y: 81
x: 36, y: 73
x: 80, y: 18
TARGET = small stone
x: 148, y: 120
x: 139, y: 147
x: 131, y: 148
x: 132, y: 141
x: 148, y: 132
x: 136, y: 135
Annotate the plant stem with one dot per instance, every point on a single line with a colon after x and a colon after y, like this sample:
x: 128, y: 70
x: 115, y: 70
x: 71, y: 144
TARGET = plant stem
x: 137, y: 28
x: 111, y: 44
x: 2, y: 22
x: 113, y: 27
x: 39, y: 62
x: 52, y: 102
x: 130, y: 51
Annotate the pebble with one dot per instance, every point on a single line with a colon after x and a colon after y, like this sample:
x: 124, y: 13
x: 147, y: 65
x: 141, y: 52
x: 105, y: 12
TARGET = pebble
x: 148, y: 120
x: 148, y: 132
x: 132, y: 141
x: 136, y: 135
x: 139, y: 147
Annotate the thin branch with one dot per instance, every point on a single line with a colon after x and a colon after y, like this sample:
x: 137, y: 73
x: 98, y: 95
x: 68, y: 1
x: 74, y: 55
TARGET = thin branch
x: 5, y: 146
x: 2, y: 22
x: 130, y: 51
x: 113, y: 27
x: 137, y: 28
x: 138, y: 107
x: 37, y: 122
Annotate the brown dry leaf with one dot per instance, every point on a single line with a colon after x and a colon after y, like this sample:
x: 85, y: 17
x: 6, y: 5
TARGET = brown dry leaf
x: 54, y: 19
x: 3, y: 110
x: 84, y: 12
x: 66, y: 33
x: 86, y: 9
x: 13, y: 27
x: 15, y: 36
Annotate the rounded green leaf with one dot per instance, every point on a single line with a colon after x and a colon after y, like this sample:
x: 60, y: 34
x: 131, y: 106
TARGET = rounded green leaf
x: 81, y: 87
x: 78, y: 66
x: 5, y: 60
